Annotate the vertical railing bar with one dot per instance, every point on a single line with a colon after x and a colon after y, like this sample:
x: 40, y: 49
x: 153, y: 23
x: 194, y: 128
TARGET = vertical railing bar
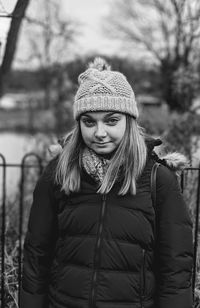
x: 196, y: 233
x: 20, y: 226
x: 21, y: 203
x: 3, y: 231
x: 182, y: 180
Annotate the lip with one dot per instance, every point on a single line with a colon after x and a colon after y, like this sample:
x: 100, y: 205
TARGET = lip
x: 101, y: 143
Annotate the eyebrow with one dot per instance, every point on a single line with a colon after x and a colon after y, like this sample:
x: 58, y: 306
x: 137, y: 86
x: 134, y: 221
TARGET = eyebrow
x: 106, y: 116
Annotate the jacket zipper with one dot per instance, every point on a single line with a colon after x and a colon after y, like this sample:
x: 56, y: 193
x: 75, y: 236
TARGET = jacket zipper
x: 142, y: 279
x: 97, y: 253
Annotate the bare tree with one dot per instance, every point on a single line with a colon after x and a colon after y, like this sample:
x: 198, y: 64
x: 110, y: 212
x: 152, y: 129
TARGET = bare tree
x: 11, y: 43
x: 170, y: 32
x: 49, y: 33
x: 49, y: 36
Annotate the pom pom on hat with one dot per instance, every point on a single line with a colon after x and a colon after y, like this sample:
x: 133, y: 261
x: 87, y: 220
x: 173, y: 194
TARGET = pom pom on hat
x: 100, y: 64
x: 101, y: 89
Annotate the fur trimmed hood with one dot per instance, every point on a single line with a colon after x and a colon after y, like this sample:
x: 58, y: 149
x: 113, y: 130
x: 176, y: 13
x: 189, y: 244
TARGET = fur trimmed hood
x: 172, y: 160
x: 56, y: 149
x: 175, y: 161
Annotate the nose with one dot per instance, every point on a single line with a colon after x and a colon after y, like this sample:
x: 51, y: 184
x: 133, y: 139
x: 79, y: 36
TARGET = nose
x: 100, y: 131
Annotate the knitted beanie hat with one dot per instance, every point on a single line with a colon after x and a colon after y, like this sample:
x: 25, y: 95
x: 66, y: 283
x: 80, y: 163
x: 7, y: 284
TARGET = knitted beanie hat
x: 101, y: 89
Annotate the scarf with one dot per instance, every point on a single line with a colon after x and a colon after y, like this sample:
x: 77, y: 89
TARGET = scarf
x: 95, y: 165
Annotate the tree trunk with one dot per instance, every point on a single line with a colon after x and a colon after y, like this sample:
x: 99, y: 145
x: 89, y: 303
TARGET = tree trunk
x: 11, y: 43
x: 177, y: 101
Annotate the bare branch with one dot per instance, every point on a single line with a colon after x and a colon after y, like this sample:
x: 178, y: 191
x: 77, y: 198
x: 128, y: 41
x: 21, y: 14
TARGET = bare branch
x: 168, y: 30
x: 176, y: 6
x: 164, y: 26
x: 144, y: 39
x: 34, y: 21
x: 191, y: 29
x: 51, y: 34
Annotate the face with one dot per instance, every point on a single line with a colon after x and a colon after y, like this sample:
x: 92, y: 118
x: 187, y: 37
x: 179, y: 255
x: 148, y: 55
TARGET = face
x: 103, y: 131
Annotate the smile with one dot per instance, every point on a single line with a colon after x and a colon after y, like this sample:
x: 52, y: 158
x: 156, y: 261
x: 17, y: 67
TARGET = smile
x: 101, y: 143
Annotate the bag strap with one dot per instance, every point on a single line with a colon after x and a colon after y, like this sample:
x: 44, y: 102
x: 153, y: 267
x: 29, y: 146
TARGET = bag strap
x: 153, y: 194
x: 155, y: 224
x: 153, y: 183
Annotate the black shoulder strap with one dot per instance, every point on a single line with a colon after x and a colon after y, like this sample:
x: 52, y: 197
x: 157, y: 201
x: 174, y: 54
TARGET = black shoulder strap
x: 153, y: 184
x: 153, y: 194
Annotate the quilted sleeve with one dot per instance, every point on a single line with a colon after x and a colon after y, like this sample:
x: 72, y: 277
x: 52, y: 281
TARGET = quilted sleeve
x: 39, y: 245
x: 174, y: 244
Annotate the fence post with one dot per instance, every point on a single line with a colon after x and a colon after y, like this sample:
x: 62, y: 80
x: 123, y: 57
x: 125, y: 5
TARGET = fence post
x: 21, y: 207
x: 3, y: 230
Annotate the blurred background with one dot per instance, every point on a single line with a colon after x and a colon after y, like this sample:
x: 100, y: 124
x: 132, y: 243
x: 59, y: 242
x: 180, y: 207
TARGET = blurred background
x: 46, y: 44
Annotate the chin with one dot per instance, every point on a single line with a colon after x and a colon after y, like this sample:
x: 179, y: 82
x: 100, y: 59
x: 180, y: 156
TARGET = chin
x: 103, y: 151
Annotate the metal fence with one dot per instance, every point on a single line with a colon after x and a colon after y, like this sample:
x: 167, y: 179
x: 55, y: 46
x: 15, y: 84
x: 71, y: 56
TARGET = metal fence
x: 39, y: 164
x: 23, y: 167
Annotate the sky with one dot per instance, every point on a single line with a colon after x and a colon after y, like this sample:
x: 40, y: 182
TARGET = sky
x: 89, y: 13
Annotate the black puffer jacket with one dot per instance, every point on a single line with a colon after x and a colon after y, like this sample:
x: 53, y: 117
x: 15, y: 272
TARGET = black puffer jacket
x: 94, y: 251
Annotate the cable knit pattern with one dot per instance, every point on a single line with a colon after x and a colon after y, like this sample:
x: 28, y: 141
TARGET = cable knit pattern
x: 101, y: 89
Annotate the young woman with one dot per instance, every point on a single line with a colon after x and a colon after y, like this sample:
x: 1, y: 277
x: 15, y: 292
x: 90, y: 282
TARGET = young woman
x: 94, y: 238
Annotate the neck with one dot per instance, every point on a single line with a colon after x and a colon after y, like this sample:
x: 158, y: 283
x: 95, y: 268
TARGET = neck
x: 106, y: 156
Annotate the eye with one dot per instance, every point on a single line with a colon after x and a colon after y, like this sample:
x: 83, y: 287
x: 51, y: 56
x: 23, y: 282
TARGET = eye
x: 88, y: 122
x: 112, y: 121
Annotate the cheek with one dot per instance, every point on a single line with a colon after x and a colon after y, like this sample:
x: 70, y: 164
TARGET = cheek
x: 86, y: 133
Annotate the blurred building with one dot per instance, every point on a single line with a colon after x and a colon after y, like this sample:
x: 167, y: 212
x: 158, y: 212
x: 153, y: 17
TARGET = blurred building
x: 148, y: 103
x: 22, y: 100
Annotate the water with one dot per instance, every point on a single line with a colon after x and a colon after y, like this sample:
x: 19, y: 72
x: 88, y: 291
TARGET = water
x: 13, y: 147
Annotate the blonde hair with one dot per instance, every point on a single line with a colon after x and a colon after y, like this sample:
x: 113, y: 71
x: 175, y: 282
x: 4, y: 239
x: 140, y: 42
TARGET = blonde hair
x: 129, y: 158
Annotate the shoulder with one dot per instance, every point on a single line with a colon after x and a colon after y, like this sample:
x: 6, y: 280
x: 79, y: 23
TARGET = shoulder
x: 50, y: 168
x: 171, y: 164
x: 170, y: 202
x: 47, y: 178
x: 170, y: 168
x: 166, y: 178
x: 174, y: 161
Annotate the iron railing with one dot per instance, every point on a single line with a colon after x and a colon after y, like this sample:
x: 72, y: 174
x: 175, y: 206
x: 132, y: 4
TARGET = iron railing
x: 23, y: 166
x: 39, y: 165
